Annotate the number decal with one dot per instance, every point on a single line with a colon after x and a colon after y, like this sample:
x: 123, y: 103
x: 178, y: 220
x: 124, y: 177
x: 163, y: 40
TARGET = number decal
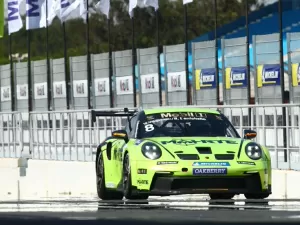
x: 149, y: 127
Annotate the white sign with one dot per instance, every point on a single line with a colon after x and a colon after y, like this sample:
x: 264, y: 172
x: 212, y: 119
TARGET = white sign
x: 124, y: 85
x: 80, y: 88
x: 176, y: 81
x: 101, y: 86
x: 22, y: 91
x: 59, y: 89
x: 5, y: 94
x: 149, y: 83
x: 40, y: 90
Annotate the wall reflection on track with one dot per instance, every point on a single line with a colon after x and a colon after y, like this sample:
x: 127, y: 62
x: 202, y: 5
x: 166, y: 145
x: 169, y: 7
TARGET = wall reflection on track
x: 188, y: 205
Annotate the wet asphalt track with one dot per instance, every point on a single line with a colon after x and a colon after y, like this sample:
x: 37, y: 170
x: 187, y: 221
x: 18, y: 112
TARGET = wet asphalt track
x: 154, y: 211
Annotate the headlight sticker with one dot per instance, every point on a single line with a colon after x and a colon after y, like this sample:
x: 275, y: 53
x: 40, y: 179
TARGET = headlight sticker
x: 209, y: 171
x: 211, y: 164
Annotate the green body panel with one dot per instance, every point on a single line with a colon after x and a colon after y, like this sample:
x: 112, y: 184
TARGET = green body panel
x: 218, y: 145
x: 113, y: 167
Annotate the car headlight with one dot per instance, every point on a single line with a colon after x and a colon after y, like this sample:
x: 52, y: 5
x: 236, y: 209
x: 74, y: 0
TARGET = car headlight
x: 253, y: 151
x: 151, y: 151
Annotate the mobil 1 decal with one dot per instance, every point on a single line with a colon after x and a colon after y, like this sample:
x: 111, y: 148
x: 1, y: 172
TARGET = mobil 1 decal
x: 149, y: 83
x: 236, y: 77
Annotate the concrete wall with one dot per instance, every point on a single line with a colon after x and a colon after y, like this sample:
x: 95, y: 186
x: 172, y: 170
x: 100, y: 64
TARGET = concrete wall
x: 54, y: 179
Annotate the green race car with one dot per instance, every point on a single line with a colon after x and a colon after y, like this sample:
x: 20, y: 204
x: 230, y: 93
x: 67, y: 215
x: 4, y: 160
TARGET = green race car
x: 171, y: 151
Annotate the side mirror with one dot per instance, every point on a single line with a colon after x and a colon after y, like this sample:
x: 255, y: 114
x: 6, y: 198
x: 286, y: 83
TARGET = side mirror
x: 120, y: 134
x: 249, y: 134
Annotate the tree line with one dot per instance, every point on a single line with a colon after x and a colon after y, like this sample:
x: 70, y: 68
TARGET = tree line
x: 201, y: 19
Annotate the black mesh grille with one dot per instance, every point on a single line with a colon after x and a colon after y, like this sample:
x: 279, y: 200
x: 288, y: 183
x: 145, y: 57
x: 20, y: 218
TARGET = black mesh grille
x: 188, y: 156
x: 224, y: 156
x: 204, y: 150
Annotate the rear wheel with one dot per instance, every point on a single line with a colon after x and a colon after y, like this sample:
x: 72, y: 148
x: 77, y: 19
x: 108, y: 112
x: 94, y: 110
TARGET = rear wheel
x: 127, y: 184
x: 102, y: 191
x: 218, y: 196
x: 256, y: 196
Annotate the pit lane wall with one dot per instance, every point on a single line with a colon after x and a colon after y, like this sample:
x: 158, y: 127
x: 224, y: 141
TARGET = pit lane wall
x: 61, y: 179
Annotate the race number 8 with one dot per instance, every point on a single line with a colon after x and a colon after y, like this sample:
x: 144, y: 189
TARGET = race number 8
x: 149, y: 127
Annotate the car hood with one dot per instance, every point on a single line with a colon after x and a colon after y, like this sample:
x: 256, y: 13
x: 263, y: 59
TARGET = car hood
x: 200, y: 146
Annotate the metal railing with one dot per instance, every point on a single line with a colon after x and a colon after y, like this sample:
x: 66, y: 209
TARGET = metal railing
x: 73, y: 136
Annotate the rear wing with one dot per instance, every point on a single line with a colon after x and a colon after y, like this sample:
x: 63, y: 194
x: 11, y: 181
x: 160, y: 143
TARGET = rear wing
x: 113, y: 113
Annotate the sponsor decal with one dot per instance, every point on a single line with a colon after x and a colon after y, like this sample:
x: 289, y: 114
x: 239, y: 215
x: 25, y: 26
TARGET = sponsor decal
x: 124, y: 85
x: 176, y: 81
x: 22, y: 91
x: 137, y: 142
x: 142, y: 181
x: 5, y: 93
x: 80, y: 88
x: 101, y: 86
x: 296, y: 74
x: 236, y: 77
x: 40, y: 90
x: 149, y: 83
x: 110, y: 185
x: 167, y: 162
x: 268, y: 75
x: 205, y: 79
x: 142, y: 171
x: 209, y: 171
x: 246, y: 163
x: 194, y: 142
x: 211, y: 164
x: 183, y: 115
x: 59, y: 89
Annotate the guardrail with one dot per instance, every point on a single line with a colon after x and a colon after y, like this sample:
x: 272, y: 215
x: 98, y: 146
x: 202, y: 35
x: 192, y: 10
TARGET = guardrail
x: 73, y: 136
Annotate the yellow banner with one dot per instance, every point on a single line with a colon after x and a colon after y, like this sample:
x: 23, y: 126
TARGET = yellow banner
x: 259, y: 75
x: 295, y: 78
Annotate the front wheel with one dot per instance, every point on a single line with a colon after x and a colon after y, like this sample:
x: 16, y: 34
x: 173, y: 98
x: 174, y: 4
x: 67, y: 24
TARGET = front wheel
x: 127, y: 184
x: 102, y: 191
x: 257, y: 196
x: 217, y: 196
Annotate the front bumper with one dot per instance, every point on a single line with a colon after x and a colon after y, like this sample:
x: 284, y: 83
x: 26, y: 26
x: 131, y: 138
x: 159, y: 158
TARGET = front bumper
x: 170, y: 180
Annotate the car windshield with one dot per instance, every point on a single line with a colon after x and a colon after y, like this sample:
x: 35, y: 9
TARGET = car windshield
x: 186, y: 124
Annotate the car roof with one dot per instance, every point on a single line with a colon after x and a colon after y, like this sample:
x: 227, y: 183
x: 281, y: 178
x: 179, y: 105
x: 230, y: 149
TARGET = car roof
x: 179, y: 109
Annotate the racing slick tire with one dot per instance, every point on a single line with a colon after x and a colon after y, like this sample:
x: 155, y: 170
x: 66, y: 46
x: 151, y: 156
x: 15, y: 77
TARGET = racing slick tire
x: 218, y: 196
x: 256, y: 196
x: 102, y: 191
x: 128, y: 191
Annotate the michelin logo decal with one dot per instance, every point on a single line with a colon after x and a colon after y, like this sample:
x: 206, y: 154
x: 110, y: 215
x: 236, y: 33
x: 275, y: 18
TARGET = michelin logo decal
x: 211, y: 164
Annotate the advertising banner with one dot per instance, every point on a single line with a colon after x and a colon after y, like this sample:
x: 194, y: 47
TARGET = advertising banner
x: 236, y: 77
x: 124, y: 85
x: 295, y: 74
x: 268, y: 75
x: 102, y: 86
x: 205, y: 79
x: 176, y: 81
x: 149, y: 83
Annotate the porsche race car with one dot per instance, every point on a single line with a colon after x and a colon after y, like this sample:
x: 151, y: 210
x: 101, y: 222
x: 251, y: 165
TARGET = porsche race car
x: 172, y: 151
